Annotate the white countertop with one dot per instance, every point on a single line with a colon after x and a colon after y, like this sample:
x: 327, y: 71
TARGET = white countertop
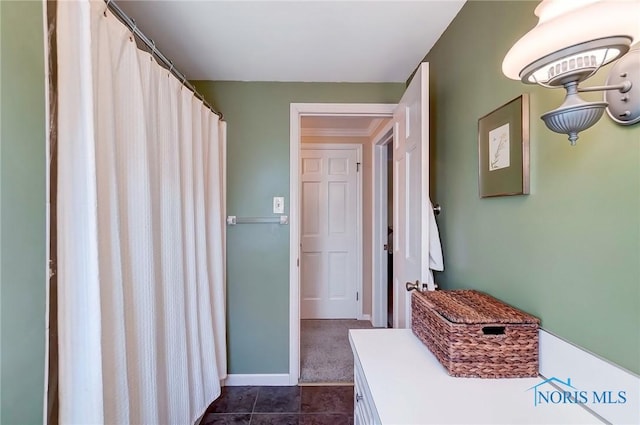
x: 409, y: 386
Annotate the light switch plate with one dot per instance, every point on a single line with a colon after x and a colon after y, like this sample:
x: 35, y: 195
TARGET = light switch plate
x: 278, y: 204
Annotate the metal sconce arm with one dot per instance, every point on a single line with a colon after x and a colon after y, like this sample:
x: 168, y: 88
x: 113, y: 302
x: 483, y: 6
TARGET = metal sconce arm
x: 622, y: 88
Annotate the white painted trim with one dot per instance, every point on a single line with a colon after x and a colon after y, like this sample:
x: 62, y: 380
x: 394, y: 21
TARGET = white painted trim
x: 294, y: 243
x: 47, y: 100
x: 372, y: 127
x: 345, y: 109
x: 296, y: 111
x: 272, y: 379
x: 366, y: 317
x: 379, y: 221
x: 359, y: 239
x: 332, y: 146
x: 343, y: 132
x: 359, y: 219
x: 335, y: 132
x: 562, y: 359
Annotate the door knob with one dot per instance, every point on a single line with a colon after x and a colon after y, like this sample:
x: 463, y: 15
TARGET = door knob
x: 411, y: 286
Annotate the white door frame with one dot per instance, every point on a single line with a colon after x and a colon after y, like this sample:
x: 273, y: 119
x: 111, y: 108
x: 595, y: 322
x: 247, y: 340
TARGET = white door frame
x: 298, y: 110
x: 379, y: 275
x: 358, y: 148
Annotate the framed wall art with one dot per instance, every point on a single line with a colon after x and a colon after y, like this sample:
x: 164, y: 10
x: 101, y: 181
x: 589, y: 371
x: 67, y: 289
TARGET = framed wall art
x: 503, y: 150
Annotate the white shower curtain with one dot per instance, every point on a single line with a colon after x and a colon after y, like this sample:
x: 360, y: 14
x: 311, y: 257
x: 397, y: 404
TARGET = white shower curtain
x: 140, y: 231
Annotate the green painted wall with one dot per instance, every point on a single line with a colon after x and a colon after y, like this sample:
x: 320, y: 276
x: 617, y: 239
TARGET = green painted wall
x: 570, y: 251
x: 258, y: 169
x: 22, y: 212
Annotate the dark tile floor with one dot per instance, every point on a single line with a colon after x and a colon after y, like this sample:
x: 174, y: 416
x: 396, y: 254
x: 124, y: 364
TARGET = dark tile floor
x: 326, y: 405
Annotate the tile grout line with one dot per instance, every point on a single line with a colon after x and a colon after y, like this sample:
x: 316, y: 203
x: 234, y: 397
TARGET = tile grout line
x: 253, y: 409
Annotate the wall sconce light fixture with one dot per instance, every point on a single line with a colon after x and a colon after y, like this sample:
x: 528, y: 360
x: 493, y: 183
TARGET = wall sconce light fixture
x: 572, y: 41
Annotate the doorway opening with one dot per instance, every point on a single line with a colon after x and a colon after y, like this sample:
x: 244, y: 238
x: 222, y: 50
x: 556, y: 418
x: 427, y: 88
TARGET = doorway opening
x: 389, y: 245
x: 383, y: 227
x: 321, y: 136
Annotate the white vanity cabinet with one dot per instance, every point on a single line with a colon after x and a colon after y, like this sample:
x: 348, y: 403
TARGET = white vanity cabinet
x: 364, y: 409
x: 398, y: 381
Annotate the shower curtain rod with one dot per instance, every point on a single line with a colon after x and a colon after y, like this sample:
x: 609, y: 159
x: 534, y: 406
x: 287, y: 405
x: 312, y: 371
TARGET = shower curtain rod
x: 131, y: 24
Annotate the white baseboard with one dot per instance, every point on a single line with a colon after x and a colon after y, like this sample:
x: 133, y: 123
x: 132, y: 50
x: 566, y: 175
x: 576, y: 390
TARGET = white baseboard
x: 274, y: 379
x: 366, y: 317
x: 562, y: 360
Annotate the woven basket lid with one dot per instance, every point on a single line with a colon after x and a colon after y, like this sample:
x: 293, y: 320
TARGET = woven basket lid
x: 474, y: 307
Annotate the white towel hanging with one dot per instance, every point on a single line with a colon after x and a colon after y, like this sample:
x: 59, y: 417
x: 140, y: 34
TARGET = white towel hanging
x: 436, y: 261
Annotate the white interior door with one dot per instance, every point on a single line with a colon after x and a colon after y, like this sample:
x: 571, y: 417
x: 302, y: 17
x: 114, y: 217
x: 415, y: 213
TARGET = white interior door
x: 329, y: 266
x: 411, y: 193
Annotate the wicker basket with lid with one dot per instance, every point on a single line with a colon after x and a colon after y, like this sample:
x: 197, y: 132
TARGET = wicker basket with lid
x: 475, y: 335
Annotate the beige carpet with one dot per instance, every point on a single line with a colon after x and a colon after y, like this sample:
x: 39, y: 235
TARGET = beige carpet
x: 325, y: 353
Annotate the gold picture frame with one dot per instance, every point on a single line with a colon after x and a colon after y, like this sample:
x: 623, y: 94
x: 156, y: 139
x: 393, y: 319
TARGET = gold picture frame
x: 503, y: 150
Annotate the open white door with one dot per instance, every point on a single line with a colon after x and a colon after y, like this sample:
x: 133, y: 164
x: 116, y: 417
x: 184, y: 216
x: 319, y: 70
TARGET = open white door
x: 410, y: 193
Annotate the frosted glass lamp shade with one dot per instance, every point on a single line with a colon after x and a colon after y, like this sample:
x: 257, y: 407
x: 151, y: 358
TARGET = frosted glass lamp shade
x: 572, y: 39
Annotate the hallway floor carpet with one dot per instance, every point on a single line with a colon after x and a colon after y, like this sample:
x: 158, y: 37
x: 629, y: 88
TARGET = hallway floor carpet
x: 325, y: 353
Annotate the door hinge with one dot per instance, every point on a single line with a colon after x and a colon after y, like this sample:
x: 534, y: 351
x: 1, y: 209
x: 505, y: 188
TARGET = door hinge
x: 298, y: 262
x: 357, y: 296
x: 357, y: 167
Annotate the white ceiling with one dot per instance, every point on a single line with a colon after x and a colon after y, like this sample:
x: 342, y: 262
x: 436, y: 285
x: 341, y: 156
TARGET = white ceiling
x: 323, y: 41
